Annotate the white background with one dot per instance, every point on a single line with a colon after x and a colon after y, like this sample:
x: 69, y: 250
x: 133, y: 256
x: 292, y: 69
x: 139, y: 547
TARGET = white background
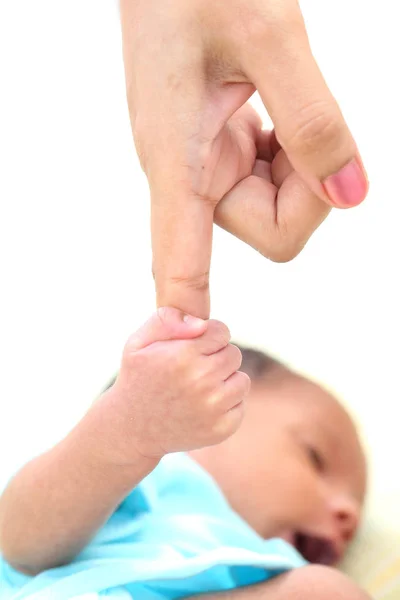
x: 75, y: 249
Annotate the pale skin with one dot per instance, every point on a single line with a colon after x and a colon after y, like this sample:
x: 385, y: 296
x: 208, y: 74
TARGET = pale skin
x: 310, y: 583
x: 207, y: 160
x: 308, y: 471
x: 190, y: 69
x: 175, y: 383
x: 205, y: 155
x: 178, y: 389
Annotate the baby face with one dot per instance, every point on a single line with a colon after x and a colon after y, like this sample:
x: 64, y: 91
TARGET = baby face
x: 295, y: 469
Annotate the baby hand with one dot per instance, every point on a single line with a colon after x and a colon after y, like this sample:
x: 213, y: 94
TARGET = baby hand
x: 178, y: 388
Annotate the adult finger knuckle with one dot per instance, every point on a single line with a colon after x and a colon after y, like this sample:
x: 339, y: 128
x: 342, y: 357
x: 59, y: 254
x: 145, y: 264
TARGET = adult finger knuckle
x: 286, y: 251
x: 317, y: 127
x: 251, y: 27
x: 198, y: 282
x: 264, y: 26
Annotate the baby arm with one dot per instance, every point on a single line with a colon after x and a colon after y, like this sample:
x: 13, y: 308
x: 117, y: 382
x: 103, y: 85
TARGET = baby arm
x: 308, y: 583
x: 177, y: 390
x: 56, y: 503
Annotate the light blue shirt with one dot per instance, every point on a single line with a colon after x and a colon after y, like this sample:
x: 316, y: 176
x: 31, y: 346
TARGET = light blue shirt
x: 172, y: 537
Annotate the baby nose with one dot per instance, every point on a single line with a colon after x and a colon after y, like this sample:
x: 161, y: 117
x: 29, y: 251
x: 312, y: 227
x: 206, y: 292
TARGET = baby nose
x: 346, y: 514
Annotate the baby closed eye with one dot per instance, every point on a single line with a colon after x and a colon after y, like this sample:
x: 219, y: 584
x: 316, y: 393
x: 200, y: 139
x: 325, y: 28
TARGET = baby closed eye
x: 316, y: 458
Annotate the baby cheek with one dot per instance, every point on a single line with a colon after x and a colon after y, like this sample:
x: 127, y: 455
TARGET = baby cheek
x: 301, y: 491
x: 280, y: 495
x: 315, y: 499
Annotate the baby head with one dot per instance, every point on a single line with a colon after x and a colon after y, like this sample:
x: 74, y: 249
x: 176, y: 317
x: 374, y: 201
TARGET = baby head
x: 295, y: 469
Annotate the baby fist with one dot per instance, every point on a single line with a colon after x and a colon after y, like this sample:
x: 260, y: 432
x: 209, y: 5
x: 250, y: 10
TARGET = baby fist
x: 179, y: 387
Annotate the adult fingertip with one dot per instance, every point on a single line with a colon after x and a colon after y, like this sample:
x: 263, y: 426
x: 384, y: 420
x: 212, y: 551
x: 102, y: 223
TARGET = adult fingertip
x: 348, y: 187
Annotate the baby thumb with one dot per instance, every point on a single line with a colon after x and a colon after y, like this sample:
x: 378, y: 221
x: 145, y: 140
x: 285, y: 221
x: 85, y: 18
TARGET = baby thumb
x: 166, y: 324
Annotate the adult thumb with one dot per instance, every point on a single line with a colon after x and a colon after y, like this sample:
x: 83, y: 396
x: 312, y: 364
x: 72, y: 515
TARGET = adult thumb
x: 308, y: 122
x: 166, y: 324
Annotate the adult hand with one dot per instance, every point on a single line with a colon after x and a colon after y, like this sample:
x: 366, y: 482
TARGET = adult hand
x: 190, y: 68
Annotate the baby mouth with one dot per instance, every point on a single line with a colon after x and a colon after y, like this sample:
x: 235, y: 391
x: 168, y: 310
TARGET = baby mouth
x: 317, y: 550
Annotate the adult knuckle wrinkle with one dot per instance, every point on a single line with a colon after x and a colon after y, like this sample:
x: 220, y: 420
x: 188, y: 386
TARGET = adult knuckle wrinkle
x: 197, y: 282
x: 316, y: 127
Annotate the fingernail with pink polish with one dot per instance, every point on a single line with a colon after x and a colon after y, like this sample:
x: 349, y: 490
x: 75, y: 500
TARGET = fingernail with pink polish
x: 349, y: 186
